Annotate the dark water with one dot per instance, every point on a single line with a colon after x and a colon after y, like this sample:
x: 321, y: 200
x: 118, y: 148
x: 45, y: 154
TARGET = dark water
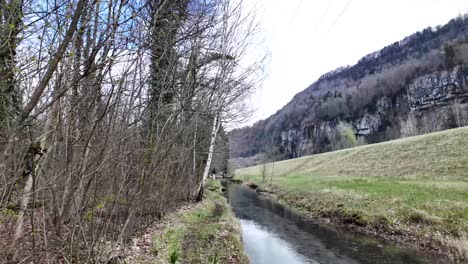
x: 273, y: 234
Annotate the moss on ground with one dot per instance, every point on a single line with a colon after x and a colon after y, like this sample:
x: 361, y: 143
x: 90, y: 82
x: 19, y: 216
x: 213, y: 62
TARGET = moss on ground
x: 206, y: 233
x: 416, y: 185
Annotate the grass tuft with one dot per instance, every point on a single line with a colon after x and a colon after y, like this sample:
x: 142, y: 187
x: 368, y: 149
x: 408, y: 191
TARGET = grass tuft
x: 422, y: 217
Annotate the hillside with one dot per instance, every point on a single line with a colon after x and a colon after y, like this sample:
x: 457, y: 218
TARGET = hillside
x: 415, y: 188
x: 437, y: 155
x: 411, y: 87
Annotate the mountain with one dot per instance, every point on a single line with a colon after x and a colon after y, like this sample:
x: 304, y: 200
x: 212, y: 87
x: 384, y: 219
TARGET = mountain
x: 413, y: 86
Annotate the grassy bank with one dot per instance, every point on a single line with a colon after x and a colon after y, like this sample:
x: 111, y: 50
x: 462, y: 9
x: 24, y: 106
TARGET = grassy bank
x: 414, y: 188
x: 203, y: 233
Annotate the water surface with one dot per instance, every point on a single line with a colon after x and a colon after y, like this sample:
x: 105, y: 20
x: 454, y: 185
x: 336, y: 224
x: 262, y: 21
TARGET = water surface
x: 273, y: 234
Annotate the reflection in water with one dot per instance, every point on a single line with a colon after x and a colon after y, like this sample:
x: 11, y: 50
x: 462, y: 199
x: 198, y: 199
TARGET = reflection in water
x: 265, y: 248
x: 274, y: 234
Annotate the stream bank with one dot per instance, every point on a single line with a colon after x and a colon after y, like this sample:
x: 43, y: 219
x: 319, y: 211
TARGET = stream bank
x: 205, y: 232
x: 275, y: 234
x: 412, y: 190
x: 414, y: 235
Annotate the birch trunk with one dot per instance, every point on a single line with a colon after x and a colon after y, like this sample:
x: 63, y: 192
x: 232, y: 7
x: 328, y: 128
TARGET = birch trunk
x: 23, y: 206
x: 214, y: 133
x: 28, y: 186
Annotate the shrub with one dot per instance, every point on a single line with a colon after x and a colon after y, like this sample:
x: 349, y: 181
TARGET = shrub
x: 342, y: 137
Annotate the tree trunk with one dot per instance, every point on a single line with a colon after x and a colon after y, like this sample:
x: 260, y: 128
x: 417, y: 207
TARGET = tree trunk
x: 11, y: 15
x: 23, y: 207
x: 214, y: 133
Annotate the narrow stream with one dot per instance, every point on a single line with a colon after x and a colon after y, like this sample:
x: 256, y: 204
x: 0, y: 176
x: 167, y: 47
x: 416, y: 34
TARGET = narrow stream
x: 273, y: 234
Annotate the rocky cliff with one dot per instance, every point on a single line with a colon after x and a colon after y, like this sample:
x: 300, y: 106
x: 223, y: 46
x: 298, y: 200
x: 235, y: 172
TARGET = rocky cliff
x: 432, y: 102
x: 438, y: 88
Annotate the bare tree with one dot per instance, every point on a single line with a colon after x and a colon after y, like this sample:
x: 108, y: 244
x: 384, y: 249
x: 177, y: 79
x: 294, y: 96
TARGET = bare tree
x: 119, y: 107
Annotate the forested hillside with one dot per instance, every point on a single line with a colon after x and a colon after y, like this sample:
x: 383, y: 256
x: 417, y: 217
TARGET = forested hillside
x: 413, y: 86
x: 109, y: 117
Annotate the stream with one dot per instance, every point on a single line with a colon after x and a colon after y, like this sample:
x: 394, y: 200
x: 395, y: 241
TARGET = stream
x: 273, y: 234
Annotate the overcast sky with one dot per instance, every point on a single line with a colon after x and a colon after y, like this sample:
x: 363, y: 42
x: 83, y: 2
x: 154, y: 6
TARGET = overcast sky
x: 307, y: 38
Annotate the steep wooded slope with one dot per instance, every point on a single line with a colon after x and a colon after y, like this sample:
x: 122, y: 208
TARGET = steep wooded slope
x: 413, y: 86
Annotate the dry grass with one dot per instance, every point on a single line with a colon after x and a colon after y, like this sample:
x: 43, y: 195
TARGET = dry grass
x: 441, y: 155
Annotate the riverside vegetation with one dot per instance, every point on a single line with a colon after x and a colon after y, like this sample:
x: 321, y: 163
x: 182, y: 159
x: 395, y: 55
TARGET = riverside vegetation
x: 413, y: 190
x: 206, y: 232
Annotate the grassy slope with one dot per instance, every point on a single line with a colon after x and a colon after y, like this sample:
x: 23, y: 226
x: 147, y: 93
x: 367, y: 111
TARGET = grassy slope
x: 418, y: 184
x: 206, y: 233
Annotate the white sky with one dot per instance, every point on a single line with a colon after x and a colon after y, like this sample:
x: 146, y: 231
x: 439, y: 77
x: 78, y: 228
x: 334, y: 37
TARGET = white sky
x: 307, y: 38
